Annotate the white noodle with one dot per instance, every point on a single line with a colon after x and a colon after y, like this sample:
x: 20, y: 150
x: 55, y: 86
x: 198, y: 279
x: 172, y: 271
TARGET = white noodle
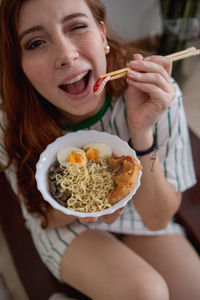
x: 89, y: 185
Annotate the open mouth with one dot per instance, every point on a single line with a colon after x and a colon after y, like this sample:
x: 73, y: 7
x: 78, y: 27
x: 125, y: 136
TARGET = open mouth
x: 76, y: 85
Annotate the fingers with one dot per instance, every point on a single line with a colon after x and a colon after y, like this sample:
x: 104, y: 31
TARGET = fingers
x: 157, y: 59
x: 109, y: 219
x: 137, y: 56
x: 151, y: 78
x: 144, y: 66
x: 87, y: 220
x: 162, y: 98
x: 161, y: 60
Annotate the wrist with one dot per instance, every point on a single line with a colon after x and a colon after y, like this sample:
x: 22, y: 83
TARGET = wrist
x: 145, y: 149
x: 141, y: 140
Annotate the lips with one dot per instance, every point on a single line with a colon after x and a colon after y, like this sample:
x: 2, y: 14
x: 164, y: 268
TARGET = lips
x: 77, y: 85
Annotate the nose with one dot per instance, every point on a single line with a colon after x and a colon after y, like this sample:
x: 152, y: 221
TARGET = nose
x: 66, y: 53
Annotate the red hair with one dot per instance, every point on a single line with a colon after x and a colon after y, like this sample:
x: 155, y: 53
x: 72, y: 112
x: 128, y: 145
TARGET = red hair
x: 25, y: 109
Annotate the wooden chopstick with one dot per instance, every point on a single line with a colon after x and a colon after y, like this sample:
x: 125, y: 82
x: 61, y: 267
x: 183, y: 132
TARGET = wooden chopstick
x: 119, y: 75
x: 182, y: 56
x: 173, y: 57
x: 115, y: 72
x: 188, y: 50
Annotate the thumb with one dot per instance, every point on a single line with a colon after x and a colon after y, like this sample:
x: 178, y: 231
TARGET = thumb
x: 137, y: 56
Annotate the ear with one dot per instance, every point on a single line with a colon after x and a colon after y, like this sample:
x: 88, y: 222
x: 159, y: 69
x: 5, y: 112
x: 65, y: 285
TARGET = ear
x: 103, y: 31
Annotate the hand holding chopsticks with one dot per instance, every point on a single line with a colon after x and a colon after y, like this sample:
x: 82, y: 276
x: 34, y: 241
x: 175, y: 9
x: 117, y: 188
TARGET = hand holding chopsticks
x: 103, y: 79
x: 173, y: 57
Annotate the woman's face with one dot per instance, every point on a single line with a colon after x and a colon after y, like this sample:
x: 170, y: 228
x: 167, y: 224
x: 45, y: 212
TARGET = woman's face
x: 63, y: 54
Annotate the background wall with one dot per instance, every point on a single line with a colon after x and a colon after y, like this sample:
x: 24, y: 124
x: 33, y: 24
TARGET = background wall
x: 134, y: 19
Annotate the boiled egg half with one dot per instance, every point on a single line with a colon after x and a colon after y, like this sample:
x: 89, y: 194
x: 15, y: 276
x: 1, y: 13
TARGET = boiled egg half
x: 71, y: 155
x: 97, y: 150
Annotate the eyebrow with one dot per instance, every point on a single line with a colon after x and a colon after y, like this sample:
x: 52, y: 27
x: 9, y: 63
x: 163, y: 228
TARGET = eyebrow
x: 72, y: 16
x: 39, y: 27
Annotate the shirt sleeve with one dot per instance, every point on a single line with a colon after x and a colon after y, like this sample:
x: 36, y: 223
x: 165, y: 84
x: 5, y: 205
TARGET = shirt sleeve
x: 174, y: 145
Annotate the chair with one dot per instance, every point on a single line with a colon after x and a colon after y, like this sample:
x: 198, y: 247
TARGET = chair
x: 36, y: 279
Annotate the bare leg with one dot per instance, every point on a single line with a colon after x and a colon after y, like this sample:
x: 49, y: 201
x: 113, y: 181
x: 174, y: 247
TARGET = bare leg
x: 102, y: 267
x: 175, y: 259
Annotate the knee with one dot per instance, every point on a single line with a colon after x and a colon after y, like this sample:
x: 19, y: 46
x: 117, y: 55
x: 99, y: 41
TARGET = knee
x: 145, y: 285
x: 151, y: 287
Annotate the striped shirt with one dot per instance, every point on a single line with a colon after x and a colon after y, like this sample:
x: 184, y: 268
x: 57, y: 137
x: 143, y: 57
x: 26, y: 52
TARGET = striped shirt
x: 175, y: 157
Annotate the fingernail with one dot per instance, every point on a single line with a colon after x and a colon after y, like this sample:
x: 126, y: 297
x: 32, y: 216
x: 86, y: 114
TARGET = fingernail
x: 135, y: 62
x: 132, y: 72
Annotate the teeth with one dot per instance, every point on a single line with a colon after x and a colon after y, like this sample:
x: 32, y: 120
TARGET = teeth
x: 79, y: 77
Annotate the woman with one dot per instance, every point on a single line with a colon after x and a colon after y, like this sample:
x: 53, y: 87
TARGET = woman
x: 52, y: 52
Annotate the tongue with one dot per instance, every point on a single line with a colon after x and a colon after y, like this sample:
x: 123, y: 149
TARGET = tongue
x: 76, y: 87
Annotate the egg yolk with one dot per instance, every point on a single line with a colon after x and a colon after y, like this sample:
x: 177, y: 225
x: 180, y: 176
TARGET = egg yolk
x: 92, y: 153
x: 76, y: 157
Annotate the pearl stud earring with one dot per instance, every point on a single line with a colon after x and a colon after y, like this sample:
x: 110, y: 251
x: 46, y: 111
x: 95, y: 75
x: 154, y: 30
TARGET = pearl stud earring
x: 107, y: 49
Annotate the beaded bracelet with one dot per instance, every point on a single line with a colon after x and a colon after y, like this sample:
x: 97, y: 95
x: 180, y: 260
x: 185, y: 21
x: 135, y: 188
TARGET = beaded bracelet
x: 145, y: 152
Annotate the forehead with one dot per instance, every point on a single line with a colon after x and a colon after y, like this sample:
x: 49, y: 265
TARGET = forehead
x: 36, y: 11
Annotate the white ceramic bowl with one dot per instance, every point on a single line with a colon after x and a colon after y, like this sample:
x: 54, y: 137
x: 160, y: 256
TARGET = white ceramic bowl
x: 79, y: 139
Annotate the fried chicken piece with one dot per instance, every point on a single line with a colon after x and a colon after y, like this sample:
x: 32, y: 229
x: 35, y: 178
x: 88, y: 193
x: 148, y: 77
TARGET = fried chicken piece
x: 126, y: 177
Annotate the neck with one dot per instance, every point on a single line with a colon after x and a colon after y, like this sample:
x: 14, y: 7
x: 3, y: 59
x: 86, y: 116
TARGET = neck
x: 70, y: 119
